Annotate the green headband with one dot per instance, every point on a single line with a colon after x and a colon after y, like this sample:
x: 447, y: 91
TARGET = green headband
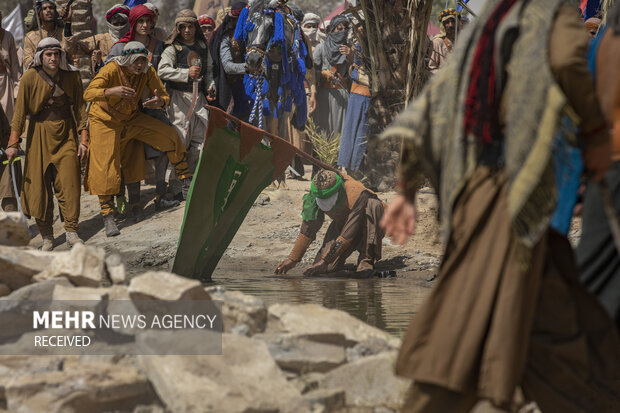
x: 326, y: 193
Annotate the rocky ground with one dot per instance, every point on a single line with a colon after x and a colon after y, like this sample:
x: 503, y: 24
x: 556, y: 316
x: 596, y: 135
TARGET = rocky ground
x: 265, y: 238
x: 276, y: 358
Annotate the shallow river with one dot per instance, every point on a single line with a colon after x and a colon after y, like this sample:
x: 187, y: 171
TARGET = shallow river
x: 386, y: 303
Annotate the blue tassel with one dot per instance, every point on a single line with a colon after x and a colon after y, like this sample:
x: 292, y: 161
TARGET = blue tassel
x: 278, y: 30
x: 241, y: 34
x: 291, y: 88
x: 249, y: 26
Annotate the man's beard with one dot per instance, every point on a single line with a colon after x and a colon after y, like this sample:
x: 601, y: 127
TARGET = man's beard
x: 50, y: 68
x: 48, y: 19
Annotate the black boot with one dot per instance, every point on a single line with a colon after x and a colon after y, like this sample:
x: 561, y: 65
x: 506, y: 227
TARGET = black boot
x: 111, y: 230
x: 137, y: 214
x: 185, y: 184
x: 134, y: 200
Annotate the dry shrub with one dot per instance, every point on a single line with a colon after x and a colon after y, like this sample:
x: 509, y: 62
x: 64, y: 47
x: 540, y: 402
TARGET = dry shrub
x: 326, y: 146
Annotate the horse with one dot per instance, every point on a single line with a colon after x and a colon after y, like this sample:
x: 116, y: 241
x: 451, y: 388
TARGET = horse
x: 276, y: 58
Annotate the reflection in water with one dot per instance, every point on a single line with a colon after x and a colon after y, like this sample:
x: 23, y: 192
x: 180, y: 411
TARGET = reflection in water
x: 386, y: 303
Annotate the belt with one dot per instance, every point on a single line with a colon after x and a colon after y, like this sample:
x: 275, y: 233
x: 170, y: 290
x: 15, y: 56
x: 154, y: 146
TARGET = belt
x: 53, y: 113
x: 360, y: 89
x: 182, y: 87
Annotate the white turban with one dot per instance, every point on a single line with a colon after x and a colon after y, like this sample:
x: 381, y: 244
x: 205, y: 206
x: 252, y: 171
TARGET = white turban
x: 152, y: 8
x: 314, y: 35
x: 131, y: 52
x: 50, y: 43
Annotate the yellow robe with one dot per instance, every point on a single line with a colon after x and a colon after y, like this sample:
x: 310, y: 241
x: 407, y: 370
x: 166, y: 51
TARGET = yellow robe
x: 117, y: 122
x: 51, y: 148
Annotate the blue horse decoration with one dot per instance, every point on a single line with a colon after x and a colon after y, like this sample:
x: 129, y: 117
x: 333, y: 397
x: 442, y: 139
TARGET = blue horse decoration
x: 276, y: 60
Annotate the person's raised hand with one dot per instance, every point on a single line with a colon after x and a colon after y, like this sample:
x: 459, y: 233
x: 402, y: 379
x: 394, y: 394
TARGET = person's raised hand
x: 156, y: 102
x: 121, y: 92
x: 399, y: 219
x: 194, y: 72
x: 211, y: 94
x: 97, y: 56
x: 66, y: 14
x: 285, y: 266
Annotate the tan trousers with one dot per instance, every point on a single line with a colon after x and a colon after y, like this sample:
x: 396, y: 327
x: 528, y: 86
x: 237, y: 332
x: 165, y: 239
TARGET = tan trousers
x: 367, y: 240
x: 109, y: 150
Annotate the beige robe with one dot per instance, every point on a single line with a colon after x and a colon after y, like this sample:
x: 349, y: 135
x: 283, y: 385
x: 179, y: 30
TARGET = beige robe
x: 10, y: 73
x: 51, y: 149
x: 441, y: 48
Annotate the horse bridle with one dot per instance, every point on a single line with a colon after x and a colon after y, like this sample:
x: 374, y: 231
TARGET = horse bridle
x: 255, y: 47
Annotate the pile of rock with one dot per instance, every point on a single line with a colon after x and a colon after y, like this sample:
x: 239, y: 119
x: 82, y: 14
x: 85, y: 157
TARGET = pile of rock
x: 278, y: 358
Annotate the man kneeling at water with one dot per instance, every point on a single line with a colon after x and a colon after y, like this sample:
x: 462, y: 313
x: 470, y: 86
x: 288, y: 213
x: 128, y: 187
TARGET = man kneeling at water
x: 355, y: 212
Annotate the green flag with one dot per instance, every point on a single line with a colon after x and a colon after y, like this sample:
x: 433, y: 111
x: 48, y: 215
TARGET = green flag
x: 234, y: 167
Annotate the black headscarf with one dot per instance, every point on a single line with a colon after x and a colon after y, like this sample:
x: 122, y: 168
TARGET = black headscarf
x: 227, y: 28
x: 228, y: 24
x: 333, y: 41
x: 297, y: 13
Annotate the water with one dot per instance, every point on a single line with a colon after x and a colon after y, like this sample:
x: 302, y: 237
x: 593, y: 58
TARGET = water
x: 386, y: 303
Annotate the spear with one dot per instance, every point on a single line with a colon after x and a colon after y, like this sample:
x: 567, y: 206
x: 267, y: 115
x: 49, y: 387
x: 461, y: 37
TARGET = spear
x: 36, y: 15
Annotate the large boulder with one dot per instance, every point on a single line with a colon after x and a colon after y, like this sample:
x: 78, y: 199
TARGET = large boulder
x: 327, y: 400
x: 301, y: 354
x: 13, y: 229
x: 239, y: 310
x: 159, y: 285
x: 70, y: 293
x: 13, y: 366
x: 14, y: 317
x: 244, y: 378
x: 89, y: 387
x: 115, y: 269
x: 369, y: 382
x: 19, y: 265
x: 84, y: 266
x: 313, y: 319
x: 80, y: 299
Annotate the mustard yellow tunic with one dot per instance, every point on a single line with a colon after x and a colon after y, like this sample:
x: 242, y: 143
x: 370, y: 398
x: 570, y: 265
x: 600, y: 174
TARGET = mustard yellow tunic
x: 51, y: 148
x: 117, y: 122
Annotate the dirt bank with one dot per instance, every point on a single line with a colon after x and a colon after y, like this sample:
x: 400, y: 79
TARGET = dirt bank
x: 265, y: 238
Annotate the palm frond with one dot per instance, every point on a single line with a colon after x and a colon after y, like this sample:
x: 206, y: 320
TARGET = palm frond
x: 326, y: 146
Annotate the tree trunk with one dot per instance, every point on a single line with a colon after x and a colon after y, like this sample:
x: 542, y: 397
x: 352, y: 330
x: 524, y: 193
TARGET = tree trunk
x: 395, y: 47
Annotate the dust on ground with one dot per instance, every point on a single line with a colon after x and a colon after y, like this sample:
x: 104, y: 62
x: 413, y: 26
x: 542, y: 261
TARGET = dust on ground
x: 265, y: 238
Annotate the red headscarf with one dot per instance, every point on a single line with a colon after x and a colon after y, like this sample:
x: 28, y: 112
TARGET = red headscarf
x: 134, y: 15
x: 206, y: 20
